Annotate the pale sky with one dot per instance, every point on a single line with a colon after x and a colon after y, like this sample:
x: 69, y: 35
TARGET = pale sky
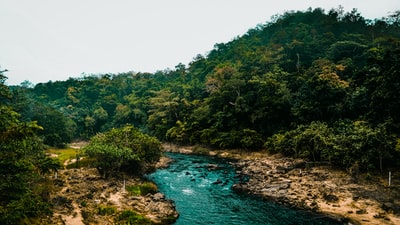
x: 44, y: 40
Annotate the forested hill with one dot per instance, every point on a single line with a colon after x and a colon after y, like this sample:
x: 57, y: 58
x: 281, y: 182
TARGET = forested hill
x: 312, y: 84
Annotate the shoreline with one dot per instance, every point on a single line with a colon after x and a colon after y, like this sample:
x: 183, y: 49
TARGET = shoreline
x: 318, y: 189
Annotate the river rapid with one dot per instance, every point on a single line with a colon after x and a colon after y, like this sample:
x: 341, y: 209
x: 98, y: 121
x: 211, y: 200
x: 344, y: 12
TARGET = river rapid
x: 200, y: 186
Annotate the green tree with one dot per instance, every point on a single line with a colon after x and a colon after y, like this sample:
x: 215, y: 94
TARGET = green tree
x: 163, y: 112
x: 58, y: 130
x: 313, y: 142
x: 359, y: 143
x: 384, y: 86
x: 293, y: 79
x: 322, y: 94
x: 22, y: 161
x: 132, y: 112
x: 270, y: 102
x: 125, y: 146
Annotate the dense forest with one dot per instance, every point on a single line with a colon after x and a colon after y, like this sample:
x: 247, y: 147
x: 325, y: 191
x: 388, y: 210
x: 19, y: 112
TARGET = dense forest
x: 318, y: 85
x: 308, y: 84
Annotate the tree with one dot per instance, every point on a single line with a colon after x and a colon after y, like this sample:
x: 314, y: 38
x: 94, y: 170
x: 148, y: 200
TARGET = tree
x: 359, y: 143
x: 384, y: 87
x: 122, y: 147
x: 132, y: 112
x: 58, y: 130
x: 270, y: 102
x: 163, y: 113
x: 313, y: 142
x: 321, y: 94
x: 22, y: 161
x: 293, y: 79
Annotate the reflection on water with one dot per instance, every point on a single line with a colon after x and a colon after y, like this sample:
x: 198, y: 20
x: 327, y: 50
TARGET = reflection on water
x: 201, y: 189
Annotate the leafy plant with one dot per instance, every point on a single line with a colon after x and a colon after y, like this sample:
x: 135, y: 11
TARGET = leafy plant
x: 106, y: 210
x: 125, y: 145
x: 142, y: 189
x: 23, y: 191
x: 132, y: 218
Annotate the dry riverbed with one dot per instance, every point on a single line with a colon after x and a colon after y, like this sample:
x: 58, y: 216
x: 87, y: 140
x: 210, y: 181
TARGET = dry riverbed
x: 318, y: 188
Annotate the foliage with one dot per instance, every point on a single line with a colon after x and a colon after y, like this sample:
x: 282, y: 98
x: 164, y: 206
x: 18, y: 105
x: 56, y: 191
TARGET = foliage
x: 142, y: 189
x: 344, y: 144
x: 132, y: 218
x: 59, y: 130
x: 63, y: 154
x: 106, y: 210
x: 85, y: 162
x: 311, y: 142
x: 23, y: 192
x: 126, y: 145
x: 292, y: 80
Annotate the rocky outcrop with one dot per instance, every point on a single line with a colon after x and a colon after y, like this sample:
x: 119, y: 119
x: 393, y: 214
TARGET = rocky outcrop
x: 81, y: 195
x: 311, y: 186
x: 318, y: 188
x: 276, y: 180
x: 156, y: 207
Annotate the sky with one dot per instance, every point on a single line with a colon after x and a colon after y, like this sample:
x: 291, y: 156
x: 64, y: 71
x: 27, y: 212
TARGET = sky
x: 42, y: 40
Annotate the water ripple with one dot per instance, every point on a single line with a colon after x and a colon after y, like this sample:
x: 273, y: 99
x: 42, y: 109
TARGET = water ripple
x: 201, y: 189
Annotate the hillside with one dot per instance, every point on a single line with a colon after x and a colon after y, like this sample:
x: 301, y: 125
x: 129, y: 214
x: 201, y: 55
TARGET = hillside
x: 334, y: 74
x: 312, y: 85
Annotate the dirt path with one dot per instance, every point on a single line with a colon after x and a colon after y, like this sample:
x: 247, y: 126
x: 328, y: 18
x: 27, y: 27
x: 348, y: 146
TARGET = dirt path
x: 75, y: 217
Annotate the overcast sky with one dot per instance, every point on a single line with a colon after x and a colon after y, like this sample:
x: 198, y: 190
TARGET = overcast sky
x: 42, y: 40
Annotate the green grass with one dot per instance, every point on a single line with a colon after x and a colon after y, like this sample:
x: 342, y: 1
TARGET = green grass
x: 132, y: 218
x: 142, y: 189
x: 85, y: 162
x: 106, y: 210
x: 64, y: 153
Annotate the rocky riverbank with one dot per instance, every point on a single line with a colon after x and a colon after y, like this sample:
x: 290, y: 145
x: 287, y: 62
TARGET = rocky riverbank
x: 82, y: 197
x: 318, y: 188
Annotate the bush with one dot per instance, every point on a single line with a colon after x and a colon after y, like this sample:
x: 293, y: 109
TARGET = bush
x: 312, y: 142
x: 142, y: 189
x: 344, y: 144
x: 106, y: 210
x: 250, y: 139
x: 132, y: 218
x: 200, y: 150
x: 122, y: 146
x: 85, y: 162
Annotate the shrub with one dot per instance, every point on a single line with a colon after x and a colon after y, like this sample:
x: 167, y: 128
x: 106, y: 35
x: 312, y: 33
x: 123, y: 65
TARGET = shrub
x: 142, y: 189
x: 132, y: 218
x: 200, y: 150
x: 106, y: 210
x: 122, y: 146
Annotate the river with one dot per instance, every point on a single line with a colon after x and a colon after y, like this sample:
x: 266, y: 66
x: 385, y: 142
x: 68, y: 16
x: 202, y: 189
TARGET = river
x: 201, y: 189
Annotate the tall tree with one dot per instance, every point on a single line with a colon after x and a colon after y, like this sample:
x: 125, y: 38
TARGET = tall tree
x: 22, y: 161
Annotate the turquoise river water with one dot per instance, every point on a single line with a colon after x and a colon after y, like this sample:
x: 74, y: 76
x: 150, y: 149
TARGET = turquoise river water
x: 201, y: 189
